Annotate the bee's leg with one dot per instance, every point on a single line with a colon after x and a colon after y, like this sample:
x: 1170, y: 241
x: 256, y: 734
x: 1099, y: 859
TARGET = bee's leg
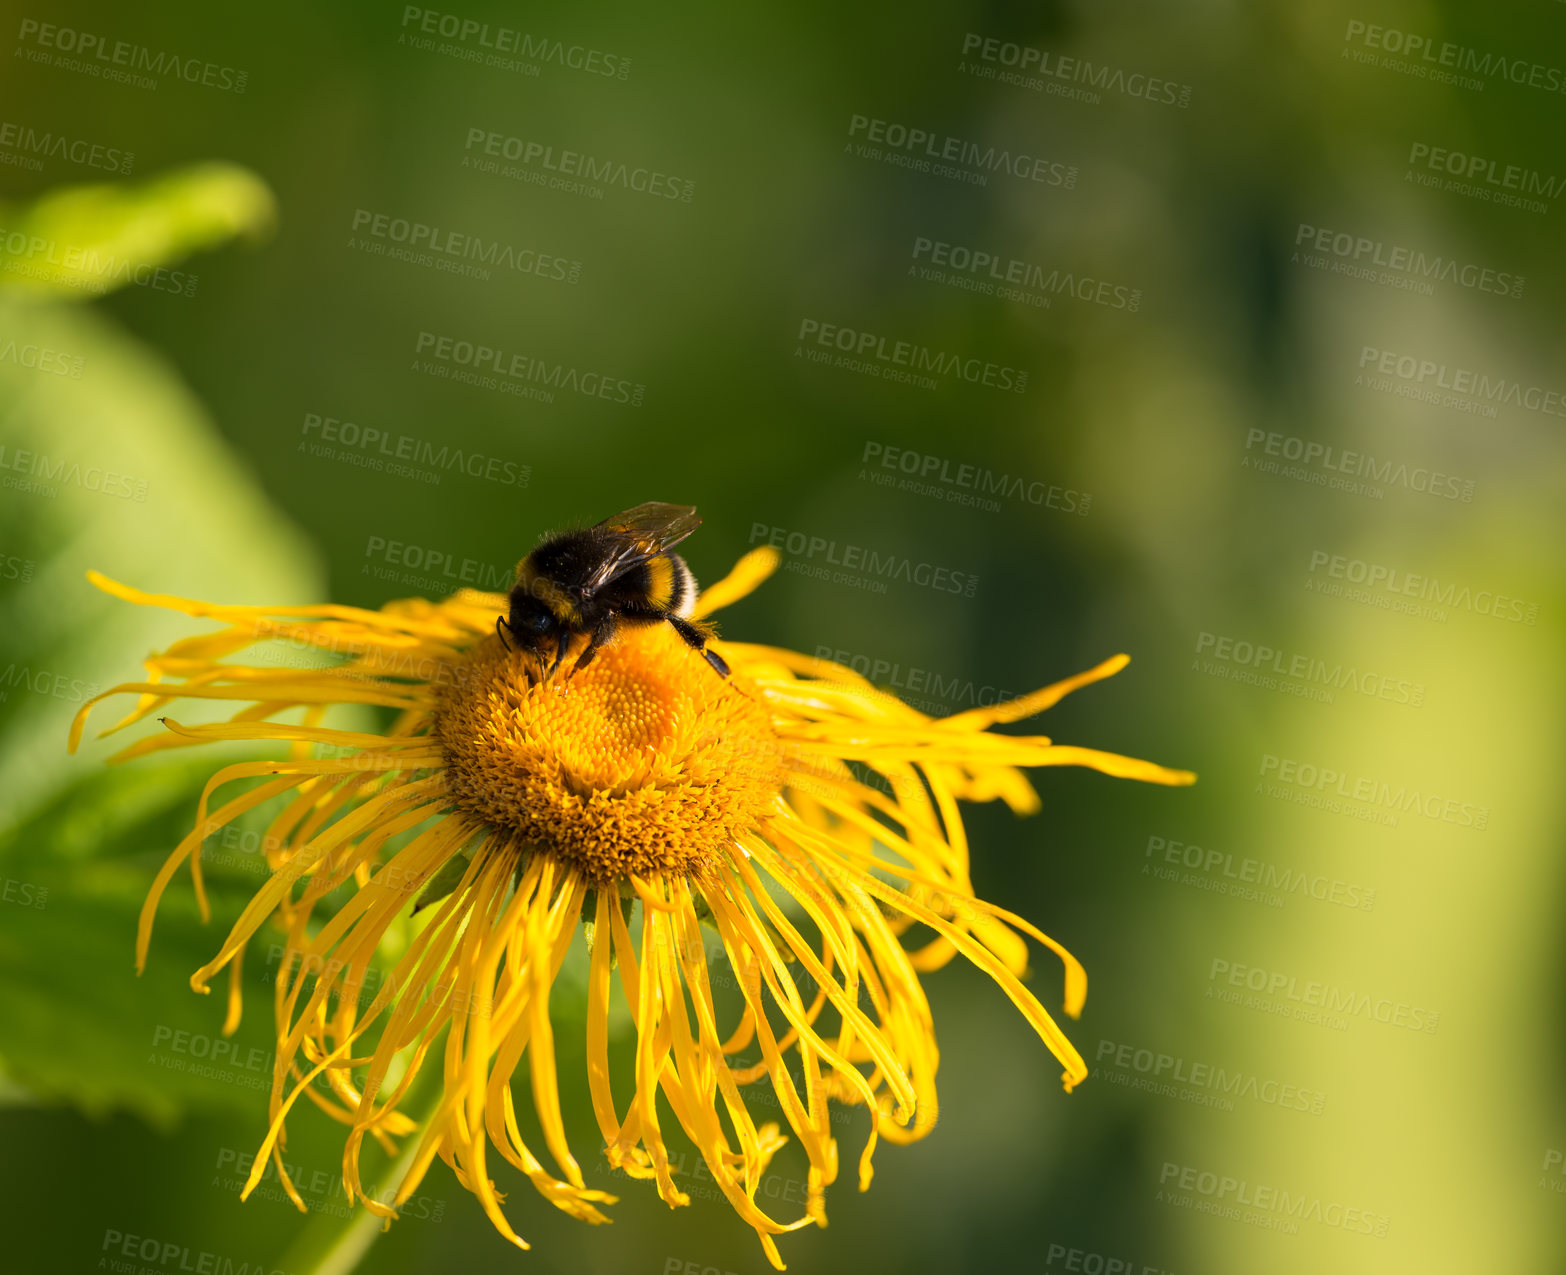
x: 602, y: 635
x: 562, y: 645
x: 500, y: 627
x: 698, y: 641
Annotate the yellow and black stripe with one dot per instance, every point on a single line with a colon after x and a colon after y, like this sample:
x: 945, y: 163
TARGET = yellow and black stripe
x: 659, y: 576
x: 540, y: 586
x: 682, y: 586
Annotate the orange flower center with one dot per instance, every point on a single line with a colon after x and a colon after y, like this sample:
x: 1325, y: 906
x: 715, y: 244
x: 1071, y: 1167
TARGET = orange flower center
x: 645, y: 762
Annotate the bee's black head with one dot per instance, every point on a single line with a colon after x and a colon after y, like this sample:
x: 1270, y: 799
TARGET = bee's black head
x: 533, y: 625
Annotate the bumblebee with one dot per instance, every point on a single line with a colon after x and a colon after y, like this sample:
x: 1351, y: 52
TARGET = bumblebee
x: 587, y: 583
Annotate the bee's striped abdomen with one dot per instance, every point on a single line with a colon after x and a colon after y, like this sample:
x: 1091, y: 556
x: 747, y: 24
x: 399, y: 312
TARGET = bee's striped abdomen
x: 659, y: 574
x: 682, y: 592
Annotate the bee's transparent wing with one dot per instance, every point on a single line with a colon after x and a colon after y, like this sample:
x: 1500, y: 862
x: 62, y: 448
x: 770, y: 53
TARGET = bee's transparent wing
x: 640, y: 534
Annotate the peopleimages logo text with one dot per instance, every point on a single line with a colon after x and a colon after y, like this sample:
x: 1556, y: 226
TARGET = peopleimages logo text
x: 1315, y: 995
x: 1480, y: 171
x: 75, y: 150
x: 1308, y: 668
x: 531, y: 153
x: 960, y: 479
x: 1454, y: 57
x: 1162, y: 1071
x: 102, y: 54
x: 932, y: 147
x: 1301, y: 1207
x: 503, y: 39
x: 1436, y: 376
x: 381, y: 445
x: 419, y: 236
x: 478, y: 363
x: 1013, y: 279
x: 1029, y: 66
x: 1381, y: 579
x: 1360, y: 253
x: 1377, y: 792
x: 869, y: 562
x: 1222, y: 873
x: 862, y: 345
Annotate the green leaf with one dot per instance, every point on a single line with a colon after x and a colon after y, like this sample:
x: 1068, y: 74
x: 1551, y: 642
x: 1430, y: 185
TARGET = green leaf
x: 76, y: 1023
x: 84, y: 241
x: 109, y: 462
x: 446, y: 879
x: 119, y: 470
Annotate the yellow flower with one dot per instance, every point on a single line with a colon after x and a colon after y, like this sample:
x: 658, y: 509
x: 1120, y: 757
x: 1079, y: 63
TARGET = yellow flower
x: 807, y: 818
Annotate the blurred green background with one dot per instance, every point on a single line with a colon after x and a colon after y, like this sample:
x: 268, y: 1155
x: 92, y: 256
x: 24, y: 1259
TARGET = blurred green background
x: 194, y: 430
